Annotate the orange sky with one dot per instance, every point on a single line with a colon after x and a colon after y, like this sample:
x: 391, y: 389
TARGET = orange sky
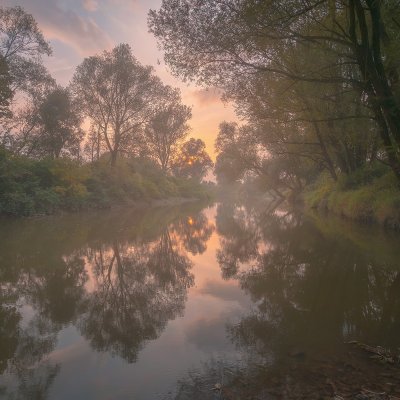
x: 80, y: 28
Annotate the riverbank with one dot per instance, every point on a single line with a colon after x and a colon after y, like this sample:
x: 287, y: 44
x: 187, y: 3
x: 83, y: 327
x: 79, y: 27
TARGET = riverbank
x: 370, y: 196
x: 42, y: 187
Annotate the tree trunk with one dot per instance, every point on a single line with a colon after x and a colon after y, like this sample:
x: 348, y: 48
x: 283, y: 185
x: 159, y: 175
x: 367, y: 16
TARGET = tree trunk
x: 113, y: 159
x: 325, y: 154
x: 369, y: 59
x: 392, y: 155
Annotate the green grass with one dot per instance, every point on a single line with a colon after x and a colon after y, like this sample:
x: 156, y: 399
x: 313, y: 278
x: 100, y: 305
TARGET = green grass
x: 370, y: 195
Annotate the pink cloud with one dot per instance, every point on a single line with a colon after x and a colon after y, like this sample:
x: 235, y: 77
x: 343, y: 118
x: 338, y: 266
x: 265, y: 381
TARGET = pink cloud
x: 90, y: 5
x: 82, y: 34
x: 68, y: 26
x: 205, y: 97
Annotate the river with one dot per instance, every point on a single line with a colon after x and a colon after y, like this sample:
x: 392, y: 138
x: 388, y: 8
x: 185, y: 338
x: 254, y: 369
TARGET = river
x: 198, y: 302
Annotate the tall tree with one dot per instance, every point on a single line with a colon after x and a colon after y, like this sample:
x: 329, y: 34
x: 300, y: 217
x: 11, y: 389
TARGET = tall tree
x: 58, y: 125
x: 166, y: 130
x: 22, y: 46
x: 118, y: 94
x: 48, y: 124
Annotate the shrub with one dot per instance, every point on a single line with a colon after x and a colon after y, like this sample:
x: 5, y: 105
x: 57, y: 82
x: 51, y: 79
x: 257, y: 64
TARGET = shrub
x: 29, y: 187
x: 360, y: 196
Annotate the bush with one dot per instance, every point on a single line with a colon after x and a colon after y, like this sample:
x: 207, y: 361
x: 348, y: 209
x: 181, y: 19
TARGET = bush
x: 29, y: 187
x: 369, y: 195
x: 17, y: 203
x: 362, y: 176
x: 47, y: 201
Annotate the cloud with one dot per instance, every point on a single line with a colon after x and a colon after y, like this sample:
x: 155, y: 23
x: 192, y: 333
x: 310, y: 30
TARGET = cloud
x: 225, y: 291
x: 206, y: 97
x: 90, y: 5
x: 68, y: 26
x: 83, y: 34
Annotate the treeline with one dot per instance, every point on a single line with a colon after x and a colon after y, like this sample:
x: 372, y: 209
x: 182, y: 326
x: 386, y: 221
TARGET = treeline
x: 316, y: 84
x: 115, y: 131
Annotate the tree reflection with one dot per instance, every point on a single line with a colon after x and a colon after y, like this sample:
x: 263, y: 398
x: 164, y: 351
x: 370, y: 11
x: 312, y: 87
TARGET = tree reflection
x: 239, y: 237
x: 33, y: 383
x: 51, y: 286
x: 314, y: 280
x: 139, y: 288
x: 22, y: 353
x: 9, y: 324
x: 58, y: 292
x: 118, y: 282
x: 194, y: 231
x: 32, y: 375
x: 315, y: 287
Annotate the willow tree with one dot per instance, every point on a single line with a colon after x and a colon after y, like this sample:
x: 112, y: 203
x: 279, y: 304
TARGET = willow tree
x: 119, y: 95
x: 218, y: 42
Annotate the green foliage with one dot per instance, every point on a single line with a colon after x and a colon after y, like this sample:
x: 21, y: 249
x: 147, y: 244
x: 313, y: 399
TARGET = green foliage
x: 58, y: 123
x: 362, y: 176
x: 21, y: 190
x: 191, y: 188
x: 370, y: 194
x: 309, y: 99
x: 31, y: 187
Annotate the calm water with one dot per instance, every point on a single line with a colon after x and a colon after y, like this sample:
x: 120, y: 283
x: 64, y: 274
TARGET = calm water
x: 166, y: 303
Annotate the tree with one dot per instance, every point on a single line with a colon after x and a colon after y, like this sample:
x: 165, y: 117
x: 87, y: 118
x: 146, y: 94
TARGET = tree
x: 95, y: 145
x: 221, y: 42
x: 192, y: 160
x: 119, y: 95
x: 237, y: 153
x: 166, y: 129
x: 46, y: 125
x: 5, y: 89
x: 20, y: 35
x: 21, y: 47
x: 58, y: 125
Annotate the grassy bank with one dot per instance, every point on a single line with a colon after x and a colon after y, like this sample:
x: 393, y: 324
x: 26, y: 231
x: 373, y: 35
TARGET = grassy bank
x: 370, y: 195
x: 32, y: 187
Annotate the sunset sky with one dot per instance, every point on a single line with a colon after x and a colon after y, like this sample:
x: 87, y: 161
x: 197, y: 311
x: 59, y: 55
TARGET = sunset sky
x: 80, y: 28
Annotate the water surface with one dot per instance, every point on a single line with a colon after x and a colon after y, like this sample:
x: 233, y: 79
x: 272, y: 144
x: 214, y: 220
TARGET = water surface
x: 178, y: 302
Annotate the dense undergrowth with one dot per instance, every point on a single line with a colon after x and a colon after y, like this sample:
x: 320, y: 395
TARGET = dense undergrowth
x: 372, y: 194
x: 32, y: 187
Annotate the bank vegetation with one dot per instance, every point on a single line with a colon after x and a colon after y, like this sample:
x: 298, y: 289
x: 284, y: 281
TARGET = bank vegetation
x: 115, y: 134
